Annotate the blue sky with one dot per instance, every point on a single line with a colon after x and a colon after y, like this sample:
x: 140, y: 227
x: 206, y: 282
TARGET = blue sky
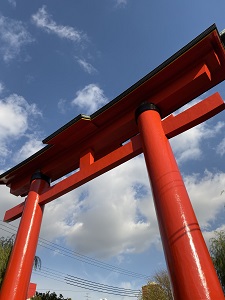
x: 62, y: 58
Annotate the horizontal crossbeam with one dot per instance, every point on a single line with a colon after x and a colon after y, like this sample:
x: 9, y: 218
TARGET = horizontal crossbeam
x: 89, y: 168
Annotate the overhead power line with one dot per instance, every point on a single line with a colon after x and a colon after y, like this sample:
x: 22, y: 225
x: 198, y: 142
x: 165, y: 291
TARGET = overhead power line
x: 86, y: 284
x: 74, y: 280
x: 77, y: 256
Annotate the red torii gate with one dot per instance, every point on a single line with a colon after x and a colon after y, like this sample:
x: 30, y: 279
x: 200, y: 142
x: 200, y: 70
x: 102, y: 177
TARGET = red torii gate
x: 94, y: 144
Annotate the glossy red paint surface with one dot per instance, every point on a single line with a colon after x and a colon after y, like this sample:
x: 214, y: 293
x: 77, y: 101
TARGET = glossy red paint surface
x: 31, y: 290
x: 17, y: 278
x: 190, y: 267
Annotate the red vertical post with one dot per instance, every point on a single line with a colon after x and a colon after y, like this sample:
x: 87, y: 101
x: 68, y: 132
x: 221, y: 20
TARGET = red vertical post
x: 189, y: 264
x: 17, y: 278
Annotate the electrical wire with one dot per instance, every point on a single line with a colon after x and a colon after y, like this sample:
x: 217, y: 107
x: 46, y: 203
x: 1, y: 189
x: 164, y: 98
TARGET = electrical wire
x: 77, y: 256
x: 74, y: 280
x: 85, y: 284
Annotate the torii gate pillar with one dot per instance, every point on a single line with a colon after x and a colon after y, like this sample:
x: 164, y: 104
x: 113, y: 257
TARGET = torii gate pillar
x: 190, y: 267
x: 17, y: 277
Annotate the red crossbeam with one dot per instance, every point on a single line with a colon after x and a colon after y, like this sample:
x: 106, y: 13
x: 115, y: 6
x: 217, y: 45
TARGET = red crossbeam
x: 89, y: 169
x: 31, y: 290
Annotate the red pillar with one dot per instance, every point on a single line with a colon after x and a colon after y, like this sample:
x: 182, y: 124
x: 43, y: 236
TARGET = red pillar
x: 17, y: 277
x: 190, y: 267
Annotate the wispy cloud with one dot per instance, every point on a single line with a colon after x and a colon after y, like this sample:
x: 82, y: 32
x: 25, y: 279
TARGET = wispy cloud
x: 90, y: 98
x: 12, y: 2
x: 13, y: 37
x: 1, y: 87
x: 43, y: 19
x: 28, y: 149
x: 62, y: 106
x: 188, y: 145
x: 221, y: 148
x: 87, y: 67
x: 121, y: 2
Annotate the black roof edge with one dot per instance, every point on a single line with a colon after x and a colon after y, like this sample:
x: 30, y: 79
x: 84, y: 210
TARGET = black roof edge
x: 71, y: 122
x: 157, y: 69
x: 134, y: 86
x: 222, y: 37
x: 24, y: 162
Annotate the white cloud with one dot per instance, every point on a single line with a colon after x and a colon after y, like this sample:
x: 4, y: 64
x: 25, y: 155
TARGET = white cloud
x: 1, y: 87
x: 15, y: 113
x: 86, y: 66
x: 121, y: 2
x: 221, y: 148
x: 13, y: 116
x: 12, y: 2
x: 13, y: 37
x: 62, y: 106
x: 187, y: 145
x: 44, y: 20
x: 8, y: 201
x: 105, y: 217
x: 28, y: 149
x: 89, y: 99
x: 205, y: 194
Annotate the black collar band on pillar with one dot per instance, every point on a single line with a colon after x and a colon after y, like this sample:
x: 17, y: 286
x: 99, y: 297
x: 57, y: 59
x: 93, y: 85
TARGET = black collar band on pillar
x: 143, y: 107
x: 39, y: 175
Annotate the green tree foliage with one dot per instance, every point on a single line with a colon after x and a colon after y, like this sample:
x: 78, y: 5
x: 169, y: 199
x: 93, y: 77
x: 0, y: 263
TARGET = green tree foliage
x: 49, y: 296
x: 162, y: 279
x: 217, y: 252
x: 158, y: 288
x: 6, y: 245
x: 37, y: 263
